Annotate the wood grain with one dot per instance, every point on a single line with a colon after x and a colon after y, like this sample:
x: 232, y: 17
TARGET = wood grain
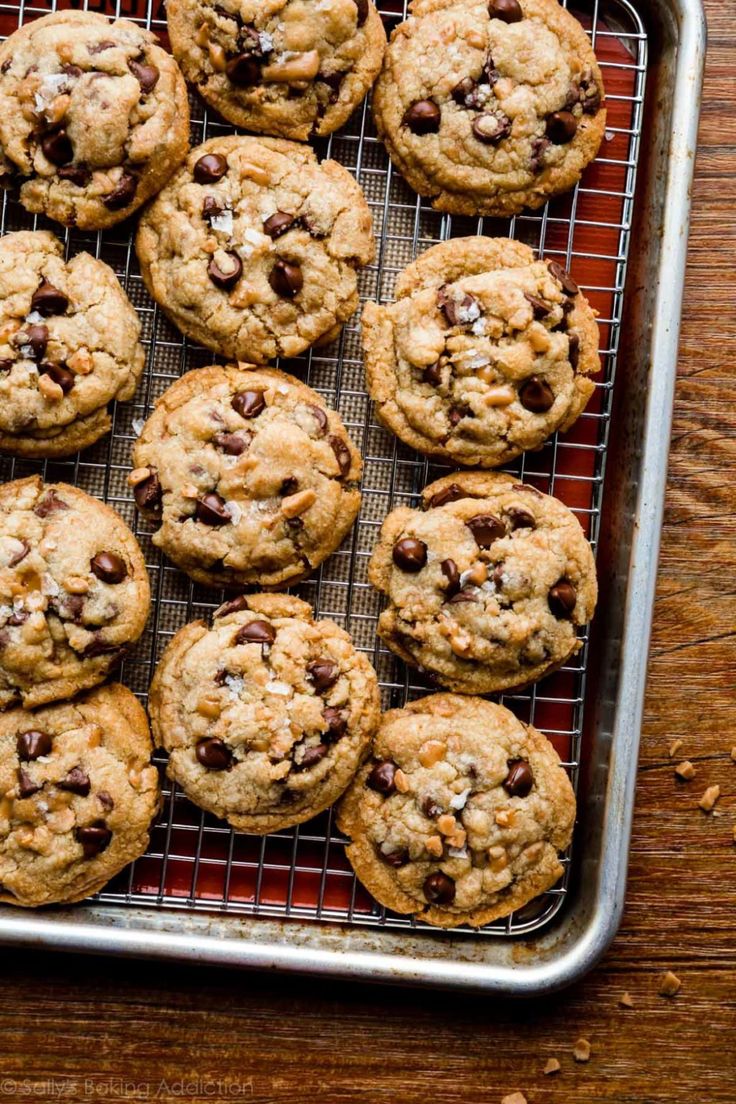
x: 83, y: 1029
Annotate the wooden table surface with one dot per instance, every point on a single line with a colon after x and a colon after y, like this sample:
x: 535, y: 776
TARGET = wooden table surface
x: 84, y: 1029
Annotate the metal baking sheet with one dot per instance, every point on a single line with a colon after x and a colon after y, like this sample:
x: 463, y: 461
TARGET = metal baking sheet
x: 289, y: 899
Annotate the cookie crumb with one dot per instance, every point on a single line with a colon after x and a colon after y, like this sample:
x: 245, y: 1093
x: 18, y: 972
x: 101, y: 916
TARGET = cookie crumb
x: 626, y: 1001
x: 685, y: 770
x: 669, y: 985
x: 552, y: 1066
x: 709, y: 798
x: 581, y: 1050
x: 674, y: 747
x: 514, y: 1098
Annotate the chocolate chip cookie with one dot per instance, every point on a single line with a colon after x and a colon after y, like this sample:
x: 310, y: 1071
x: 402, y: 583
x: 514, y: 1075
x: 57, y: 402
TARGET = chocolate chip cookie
x: 486, y: 585
x: 292, y: 68
x: 484, y: 354
x: 266, y: 715
x: 68, y: 346
x: 460, y: 814
x: 74, y: 591
x: 94, y: 117
x: 250, y: 477
x: 252, y: 249
x: 490, y: 106
x: 77, y: 796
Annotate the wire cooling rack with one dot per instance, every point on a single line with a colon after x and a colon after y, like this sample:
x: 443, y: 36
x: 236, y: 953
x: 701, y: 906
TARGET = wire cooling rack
x: 195, y: 862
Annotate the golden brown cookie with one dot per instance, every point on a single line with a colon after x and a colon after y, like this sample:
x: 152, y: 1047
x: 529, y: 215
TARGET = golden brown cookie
x: 490, y: 107
x: 486, y: 585
x: 251, y: 478
x: 94, y: 117
x: 79, y: 793
x: 460, y: 814
x: 266, y: 715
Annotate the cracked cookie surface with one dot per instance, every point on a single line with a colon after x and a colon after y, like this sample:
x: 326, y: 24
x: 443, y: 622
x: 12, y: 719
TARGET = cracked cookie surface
x: 487, y: 585
x: 291, y: 68
x: 251, y: 477
x: 78, y: 793
x: 460, y: 814
x: 490, y: 107
x: 252, y: 249
x: 68, y: 346
x: 94, y: 117
x: 484, y: 354
x: 74, y: 591
x: 266, y: 715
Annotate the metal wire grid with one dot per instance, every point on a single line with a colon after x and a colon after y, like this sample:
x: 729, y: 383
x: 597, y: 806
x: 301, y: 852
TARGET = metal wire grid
x: 194, y: 861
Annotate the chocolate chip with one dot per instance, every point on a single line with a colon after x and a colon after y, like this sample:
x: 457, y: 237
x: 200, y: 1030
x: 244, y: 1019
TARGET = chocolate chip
x: 209, y: 168
x: 519, y: 781
x: 60, y: 375
x: 539, y: 307
x: 233, y: 605
x: 210, y: 510
x: 108, y: 567
x: 56, y: 147
x: 226, y: 278
x: 430, y: 808
x: 320, y: 418
x: 455, y: 415
x: 381, y: 777
x: 79, y: 175
x: 248, y: 404
x: 457, y: 313
x: 48, y: 300
x: 49, y: 504
x: 486, y: 528
x: 18, y: 556
x: 100, y: 47
x: 32, y: 745
x: 243, y: 70
x: 230, y: 443
x: 395, y: 859
x: 464, y: 595
x: 336, y: 721
x: 362, y: 6
x: 448, y: 494
x: 508, y: 11
x: 289, y: 485
x: 6, y: 365
x: 520, y: 518
x: 410, y: 554
x: 466, y: 87
x: 255, y: 632
x: 562, y: 598
x: 26, y: 786
x: 539, y: 148
x: 563, y: 277
x: 439, y: 889
x: 277, y: 224
x: 323, y: 674
x: 123, y: 194
x: 286, y: 279
x: 573, y: 351
x: 36, y: 337
x: 561, y: 127
x: 210, y: 208
x: 147, y: 494
x: 491, y: 127
x: 76, y: 782
x: 342, y: 454
x: 311, y: 756
x: 146, y: 75
x: 70, y: 608
x: 451, y: 573
x: 423, y: 117
x: 214, y: 754
x: 590, y: 96
x: 536, y: 395
x: 94, y: 838
x: 433, y: 374
x: 106, y: 801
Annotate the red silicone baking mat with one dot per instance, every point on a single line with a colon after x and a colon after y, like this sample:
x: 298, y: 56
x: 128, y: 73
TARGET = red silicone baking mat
x: 195, y: 861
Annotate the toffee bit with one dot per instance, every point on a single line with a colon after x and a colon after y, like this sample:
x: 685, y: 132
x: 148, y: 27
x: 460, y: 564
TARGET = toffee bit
x: 685, y: 770
x: 709, y: 798
x: 669, y: 984
x: 626, y: 1000
x: 581, y: 1050
x: 675, y: 746
x: 552, y: 1066
x: 514, y: 1098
